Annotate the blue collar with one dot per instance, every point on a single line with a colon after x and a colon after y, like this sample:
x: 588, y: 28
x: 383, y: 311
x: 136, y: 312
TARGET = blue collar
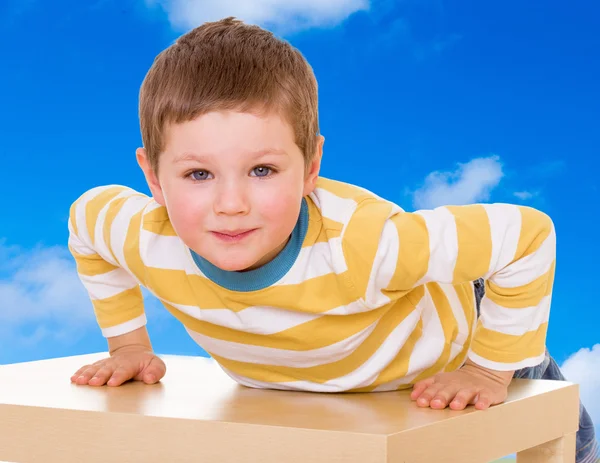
x: 266, y: 275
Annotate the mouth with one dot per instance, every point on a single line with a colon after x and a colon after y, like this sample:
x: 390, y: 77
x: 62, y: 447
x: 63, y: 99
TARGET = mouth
x: 231, y: 236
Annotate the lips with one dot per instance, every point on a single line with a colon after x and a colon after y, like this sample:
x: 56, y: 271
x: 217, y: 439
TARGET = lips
x: 233, y: 235
x: 233, y: 232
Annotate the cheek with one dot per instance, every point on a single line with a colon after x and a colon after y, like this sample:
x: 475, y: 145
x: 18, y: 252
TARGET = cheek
x: 186, y: 211
x: 281, y: 209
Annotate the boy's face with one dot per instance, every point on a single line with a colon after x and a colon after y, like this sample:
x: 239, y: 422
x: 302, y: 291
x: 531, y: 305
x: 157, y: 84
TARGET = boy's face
x: 232, y: 184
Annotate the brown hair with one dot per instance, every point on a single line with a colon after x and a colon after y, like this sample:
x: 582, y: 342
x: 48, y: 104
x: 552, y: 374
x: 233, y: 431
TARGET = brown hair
x: 228, y: 65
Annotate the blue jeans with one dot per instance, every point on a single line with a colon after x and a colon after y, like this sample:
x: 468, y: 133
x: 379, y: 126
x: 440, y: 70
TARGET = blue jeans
x: 587, y: 448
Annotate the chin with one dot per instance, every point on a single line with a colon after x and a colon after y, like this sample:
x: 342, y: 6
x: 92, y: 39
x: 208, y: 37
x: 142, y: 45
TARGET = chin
x: 235, y: 265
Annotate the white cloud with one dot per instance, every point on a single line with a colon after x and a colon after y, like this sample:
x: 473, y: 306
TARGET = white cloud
x: 282, y: 16
x: 583, y: 367
x: 41, y: 285
x: 42, y: 298
x: 468, y: 183
x: 524, y: 194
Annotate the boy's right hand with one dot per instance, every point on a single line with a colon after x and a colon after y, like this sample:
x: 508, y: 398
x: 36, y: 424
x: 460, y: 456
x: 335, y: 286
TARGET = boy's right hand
x: 134, y: 362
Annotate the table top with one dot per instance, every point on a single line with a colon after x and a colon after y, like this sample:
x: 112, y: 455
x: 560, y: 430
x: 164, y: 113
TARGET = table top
x: 196, y: 388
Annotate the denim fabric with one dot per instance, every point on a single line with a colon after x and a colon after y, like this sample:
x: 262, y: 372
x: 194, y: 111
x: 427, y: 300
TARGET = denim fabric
x: 587, y: 449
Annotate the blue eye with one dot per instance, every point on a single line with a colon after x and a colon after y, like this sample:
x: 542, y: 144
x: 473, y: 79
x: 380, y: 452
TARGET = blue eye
x: 200, y: 175
x: 261, y: 171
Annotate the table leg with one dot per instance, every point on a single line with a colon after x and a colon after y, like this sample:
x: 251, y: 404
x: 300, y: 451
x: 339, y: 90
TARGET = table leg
x: 561, y: 450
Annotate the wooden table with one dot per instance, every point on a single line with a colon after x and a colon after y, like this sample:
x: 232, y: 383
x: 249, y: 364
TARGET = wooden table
x: 197, y: 413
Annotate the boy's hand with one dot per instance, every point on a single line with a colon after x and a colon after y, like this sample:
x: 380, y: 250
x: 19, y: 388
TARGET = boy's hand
x: 471, y: 384
x: 126, y: 363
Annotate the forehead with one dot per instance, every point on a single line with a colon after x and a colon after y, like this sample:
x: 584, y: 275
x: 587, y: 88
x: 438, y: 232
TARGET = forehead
x: 230, y: 130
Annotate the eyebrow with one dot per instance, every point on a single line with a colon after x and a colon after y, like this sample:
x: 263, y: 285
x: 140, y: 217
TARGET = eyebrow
x: 190, y: 156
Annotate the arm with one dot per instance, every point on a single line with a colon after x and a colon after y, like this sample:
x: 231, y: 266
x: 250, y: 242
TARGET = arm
x: 136, y: 339
x: 512, y: 247
x: 104, y: 229
x: 104, y: 244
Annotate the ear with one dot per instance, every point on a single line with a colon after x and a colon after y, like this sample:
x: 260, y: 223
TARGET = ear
x: 151, y: 177
x: 312, y: 172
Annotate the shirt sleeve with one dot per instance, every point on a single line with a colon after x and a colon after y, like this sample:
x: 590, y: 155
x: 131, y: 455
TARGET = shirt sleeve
x: 390, y: 252
x: 104, y: 242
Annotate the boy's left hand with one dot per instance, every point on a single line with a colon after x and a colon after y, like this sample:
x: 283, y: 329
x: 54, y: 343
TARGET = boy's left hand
x: 471, y: 384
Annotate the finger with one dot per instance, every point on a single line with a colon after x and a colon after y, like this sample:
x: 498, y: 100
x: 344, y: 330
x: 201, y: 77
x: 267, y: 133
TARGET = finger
x: 428, y: 394
x: 102, y: 375
x: 485, y: 399
x: 79, y: 372
x: 420, y: 386
x: 119, y: 376
x: 444, y: 395
x: 155, y: 371
x: 463, y: 397
x: 86, y: 375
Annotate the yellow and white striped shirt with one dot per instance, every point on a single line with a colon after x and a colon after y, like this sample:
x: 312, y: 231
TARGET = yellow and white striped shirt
x: 372, y: 298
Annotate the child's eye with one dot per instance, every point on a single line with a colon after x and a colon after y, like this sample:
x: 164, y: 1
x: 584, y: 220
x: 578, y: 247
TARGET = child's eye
x: 261, y: 171
x: 199, y: 175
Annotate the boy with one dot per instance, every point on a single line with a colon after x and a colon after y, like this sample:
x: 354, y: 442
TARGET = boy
x: 289, y: 280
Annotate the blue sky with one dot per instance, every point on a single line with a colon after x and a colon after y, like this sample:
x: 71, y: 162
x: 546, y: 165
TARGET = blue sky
x: 425, y: 102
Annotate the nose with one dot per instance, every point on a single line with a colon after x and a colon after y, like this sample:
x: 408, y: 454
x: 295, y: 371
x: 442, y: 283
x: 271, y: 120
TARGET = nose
x: 231, y: 199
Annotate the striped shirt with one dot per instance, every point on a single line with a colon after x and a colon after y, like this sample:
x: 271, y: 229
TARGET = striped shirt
x: 365, y: 296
